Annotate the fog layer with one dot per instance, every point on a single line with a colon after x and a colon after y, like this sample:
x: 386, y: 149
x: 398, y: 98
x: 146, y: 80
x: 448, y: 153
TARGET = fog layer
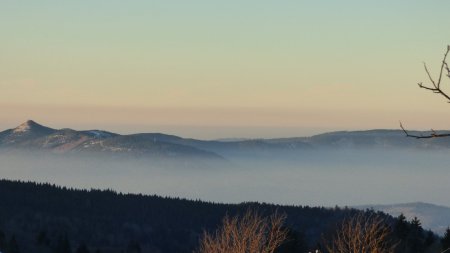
x: 314, y: 177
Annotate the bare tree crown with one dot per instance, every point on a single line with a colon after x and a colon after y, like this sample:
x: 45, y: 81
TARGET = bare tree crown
x: 362, y: 234
x: 251, y: 233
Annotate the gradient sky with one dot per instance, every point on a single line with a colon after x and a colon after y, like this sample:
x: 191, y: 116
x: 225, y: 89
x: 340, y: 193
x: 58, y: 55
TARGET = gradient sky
x: 213, y: 69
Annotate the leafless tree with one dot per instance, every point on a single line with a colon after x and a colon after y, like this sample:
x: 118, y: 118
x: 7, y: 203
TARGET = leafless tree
x: 362, y: 234
x: 434, y: 86
x: 251, y: 233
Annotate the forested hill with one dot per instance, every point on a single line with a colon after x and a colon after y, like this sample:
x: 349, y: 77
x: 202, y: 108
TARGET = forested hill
x: 47, y: 218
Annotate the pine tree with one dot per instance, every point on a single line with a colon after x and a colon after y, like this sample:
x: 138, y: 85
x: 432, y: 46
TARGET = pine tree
x: 295, y: 242
x: 63, y: 245
x: 82, y: 249
x: 446, y: 240
x: 2, y: 241
x: 430, y: 239
x: 416, y: 240
x: 133, y: 247
x: 416, y: 224
x: 42, y: 239
x: 401, y: 227
x: 13, y: 246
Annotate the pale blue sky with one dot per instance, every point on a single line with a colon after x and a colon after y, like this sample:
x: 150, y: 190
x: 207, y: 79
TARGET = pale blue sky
x: 155, y: 65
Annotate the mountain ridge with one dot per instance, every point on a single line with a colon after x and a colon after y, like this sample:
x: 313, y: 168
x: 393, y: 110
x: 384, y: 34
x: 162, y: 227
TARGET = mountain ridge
x: 32, y: 135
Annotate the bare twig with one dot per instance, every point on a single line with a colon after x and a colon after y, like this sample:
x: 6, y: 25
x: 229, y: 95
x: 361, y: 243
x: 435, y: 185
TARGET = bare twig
x: 447, y: 68
x: 436, y: 85
x: 433, y: 134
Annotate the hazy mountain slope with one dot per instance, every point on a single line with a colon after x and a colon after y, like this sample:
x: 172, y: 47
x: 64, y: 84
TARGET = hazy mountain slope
x: 232, y: 148
x: 23, y: 134
x: 33, y: 136
x: 376, y: 139
x: 139, y: 145
x: 433, y: 217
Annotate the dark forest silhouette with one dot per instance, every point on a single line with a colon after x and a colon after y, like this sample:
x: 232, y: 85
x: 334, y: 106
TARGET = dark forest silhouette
x: 39, y: 218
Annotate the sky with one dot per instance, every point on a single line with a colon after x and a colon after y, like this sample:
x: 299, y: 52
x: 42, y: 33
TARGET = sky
x: 222, y: 69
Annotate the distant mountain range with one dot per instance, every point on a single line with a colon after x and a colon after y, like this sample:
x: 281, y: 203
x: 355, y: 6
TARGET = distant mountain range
x: 33, y: 136
x: 433, y: 217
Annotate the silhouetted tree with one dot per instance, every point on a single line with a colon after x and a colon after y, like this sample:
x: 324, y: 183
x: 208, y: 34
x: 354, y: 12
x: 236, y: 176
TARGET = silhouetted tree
x: 63, y: 245
x: 42, y: 239
x: 295, y: 243
x: 13, y: 246
x: 82, y: 249
x: 133, y: 247
x: 445, y: 241
x: 401, y: 227
x: 416, y: 238
x: 429, y: 239
x: 416, y: 225
x: 402, y: 231
x: 2, y: 241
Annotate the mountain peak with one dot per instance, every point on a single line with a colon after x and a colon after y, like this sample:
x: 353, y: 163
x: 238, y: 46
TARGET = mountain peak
x: 30, y: 125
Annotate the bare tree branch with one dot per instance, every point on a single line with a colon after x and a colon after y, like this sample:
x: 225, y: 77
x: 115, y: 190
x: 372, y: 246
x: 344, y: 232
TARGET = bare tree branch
x: 447, y: 68
x: 435, y: 87
x: 433, y: 134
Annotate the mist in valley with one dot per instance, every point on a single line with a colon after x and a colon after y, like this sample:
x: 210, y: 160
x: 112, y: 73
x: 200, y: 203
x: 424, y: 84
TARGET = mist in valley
x: 324, y: 177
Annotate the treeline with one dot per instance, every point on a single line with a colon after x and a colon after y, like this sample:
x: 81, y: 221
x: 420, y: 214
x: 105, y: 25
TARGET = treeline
x: 60, y: 244
x: 46, y: 218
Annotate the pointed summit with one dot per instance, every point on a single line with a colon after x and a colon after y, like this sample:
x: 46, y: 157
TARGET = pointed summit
x: 31, y: 122
x: 31, y: 126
